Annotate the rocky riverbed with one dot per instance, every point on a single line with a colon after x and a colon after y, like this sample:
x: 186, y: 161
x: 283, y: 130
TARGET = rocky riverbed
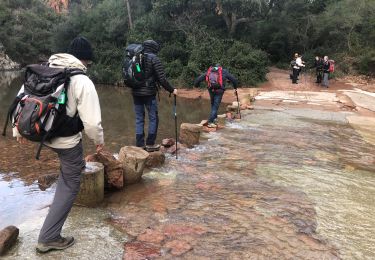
x: 293, y: 179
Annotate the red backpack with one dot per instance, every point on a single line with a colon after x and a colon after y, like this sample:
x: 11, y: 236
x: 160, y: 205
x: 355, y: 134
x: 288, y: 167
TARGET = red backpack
x: 331, y: 66
x: 214, y: 78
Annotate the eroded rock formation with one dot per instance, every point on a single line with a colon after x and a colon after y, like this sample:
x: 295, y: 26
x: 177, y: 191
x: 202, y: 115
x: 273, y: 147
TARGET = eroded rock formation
x: 59, y: 6
x: 5, y: 62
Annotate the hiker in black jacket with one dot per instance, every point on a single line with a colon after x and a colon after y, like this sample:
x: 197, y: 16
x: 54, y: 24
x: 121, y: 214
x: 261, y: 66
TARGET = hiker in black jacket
x: 216, y: 77
x: 144, y: 96
x: 318, y: 65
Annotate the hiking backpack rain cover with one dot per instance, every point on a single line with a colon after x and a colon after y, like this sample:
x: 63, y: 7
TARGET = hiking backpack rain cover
x: 132, y: 68
x: 214, y: 78
x: 39, y: 113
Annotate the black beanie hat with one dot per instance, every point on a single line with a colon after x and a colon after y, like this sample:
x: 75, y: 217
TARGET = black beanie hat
x: 80, y: 48
x: 151, y: 45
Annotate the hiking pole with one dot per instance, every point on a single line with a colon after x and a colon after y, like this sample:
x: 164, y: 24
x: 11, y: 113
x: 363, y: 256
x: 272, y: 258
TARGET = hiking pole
x: 238, y: 103
x: 175, y: 120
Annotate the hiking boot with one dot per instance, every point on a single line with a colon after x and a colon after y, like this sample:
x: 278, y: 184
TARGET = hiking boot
x: 211, y: 125
x: 152, y: 148
x: 60, y: 244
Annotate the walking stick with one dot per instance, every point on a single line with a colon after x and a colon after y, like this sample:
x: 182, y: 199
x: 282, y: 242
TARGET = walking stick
x: 238, y: 103
x: 175, y: 120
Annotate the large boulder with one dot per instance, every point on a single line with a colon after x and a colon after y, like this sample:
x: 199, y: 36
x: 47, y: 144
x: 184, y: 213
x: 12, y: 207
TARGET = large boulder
x: 91, y: 191
x: 189, y: 134
x: 113, y: 170
x: 133, y: 161
x: 8, y: 238
x: 155, y: 159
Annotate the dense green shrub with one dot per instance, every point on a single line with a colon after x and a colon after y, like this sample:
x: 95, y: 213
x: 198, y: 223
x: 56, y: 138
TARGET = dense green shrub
x: 26, y: 29
x: 366, y: 63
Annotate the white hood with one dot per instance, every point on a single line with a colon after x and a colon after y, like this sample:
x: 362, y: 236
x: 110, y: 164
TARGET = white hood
x: 65, y: 60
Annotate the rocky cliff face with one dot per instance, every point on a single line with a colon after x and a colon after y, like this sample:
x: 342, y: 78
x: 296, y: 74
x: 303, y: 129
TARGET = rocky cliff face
x: 5, y: 62
x: 60, y: 6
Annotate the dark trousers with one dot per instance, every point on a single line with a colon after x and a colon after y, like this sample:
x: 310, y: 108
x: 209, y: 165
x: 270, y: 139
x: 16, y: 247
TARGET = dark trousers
x: 295, y: 75
x: 215, y: 97
x: 319, y: 76
x: 151, y: 105
x: 71, y: 165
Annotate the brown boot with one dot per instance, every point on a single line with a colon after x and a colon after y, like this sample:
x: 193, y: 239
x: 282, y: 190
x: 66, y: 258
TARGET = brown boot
x: 60, y: 244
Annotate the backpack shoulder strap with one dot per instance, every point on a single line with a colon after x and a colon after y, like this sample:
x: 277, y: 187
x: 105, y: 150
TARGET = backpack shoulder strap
x: 70, y: 73
x: 11, y: 110
x: 221, y: 76
x: 74, y: 72
x: 208, y: 76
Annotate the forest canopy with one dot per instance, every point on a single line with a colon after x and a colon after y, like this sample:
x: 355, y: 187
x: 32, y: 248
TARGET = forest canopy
x: 245, y: 36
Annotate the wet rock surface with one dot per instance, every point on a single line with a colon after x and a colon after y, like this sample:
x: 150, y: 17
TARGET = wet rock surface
x: 91, y: 191
x: 113, y: 170
x: 189, y: 134
x: 282, y: 184
x: 172, y: 149
x: 8, y: 238
x: 168, y: 142
x: 133, y: 160
x: 155, y: 159
x: 223, y: 200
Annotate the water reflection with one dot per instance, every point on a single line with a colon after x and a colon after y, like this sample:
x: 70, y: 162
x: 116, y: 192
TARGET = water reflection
x: 118, y: 122
x: 19, y: 202
x: 119, y: 119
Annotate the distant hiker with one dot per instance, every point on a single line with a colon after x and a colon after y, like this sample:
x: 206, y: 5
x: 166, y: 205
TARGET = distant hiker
x: 297, y: 65
x: 326, y: 71
x: 143, y: 72
x: 215, y: 77
x: 293, y: 63
x: 79, y: 101
x: 318, y: 65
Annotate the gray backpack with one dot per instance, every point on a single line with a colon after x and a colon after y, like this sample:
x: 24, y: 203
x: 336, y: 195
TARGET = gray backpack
x: 39, y: 113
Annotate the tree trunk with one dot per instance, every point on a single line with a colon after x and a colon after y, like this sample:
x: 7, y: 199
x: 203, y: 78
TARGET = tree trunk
x: 129, y: 14
x: 230, y: 18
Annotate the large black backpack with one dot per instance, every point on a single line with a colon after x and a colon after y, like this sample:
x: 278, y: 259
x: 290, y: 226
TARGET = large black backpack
x: 133, y: 66
x: 39, y: 112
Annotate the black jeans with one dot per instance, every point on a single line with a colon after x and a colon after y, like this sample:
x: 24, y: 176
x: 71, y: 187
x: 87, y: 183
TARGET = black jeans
x: 150, y: 103
x: 319, y: 76
x: 295, y: 75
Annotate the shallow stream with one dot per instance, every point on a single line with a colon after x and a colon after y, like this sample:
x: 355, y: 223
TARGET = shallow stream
x: 280, y: 184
